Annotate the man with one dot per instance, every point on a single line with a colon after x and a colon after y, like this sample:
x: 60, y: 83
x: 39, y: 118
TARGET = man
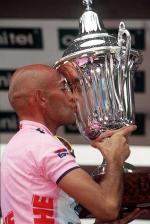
x: 40, y: 178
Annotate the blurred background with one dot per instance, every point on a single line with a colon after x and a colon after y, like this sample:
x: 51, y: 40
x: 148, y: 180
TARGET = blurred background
x: 39, y: 32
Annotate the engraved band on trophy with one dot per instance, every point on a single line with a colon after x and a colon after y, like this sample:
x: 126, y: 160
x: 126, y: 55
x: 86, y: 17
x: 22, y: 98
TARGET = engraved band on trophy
x: 100, y: 68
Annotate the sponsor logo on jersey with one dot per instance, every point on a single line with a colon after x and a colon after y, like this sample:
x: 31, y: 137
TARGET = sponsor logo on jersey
x: 43, y: 210
x: 62, y: 152
x: 40, y: 130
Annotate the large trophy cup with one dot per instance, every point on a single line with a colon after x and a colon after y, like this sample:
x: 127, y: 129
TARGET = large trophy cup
x: 100, y: 68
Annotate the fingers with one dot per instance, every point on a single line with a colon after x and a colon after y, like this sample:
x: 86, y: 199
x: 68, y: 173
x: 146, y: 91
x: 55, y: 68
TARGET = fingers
x: 125, y: 131
x: 106, y: 134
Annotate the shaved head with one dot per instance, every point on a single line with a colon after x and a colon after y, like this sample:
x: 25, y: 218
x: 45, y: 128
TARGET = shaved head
x: 38, y: 93
x: 24, y: 81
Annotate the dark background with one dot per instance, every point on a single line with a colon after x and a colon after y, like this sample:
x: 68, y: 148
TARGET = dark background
x: 108, y: 9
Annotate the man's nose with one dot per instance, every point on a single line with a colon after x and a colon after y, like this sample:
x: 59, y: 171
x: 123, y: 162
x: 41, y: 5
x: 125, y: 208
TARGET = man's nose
x: 71, y: 96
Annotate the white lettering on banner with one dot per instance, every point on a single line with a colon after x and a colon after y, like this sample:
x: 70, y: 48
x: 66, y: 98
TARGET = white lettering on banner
x: 16, y: 39
x: 4, y: 80
x: 8, y: 123
x: 4, y: 38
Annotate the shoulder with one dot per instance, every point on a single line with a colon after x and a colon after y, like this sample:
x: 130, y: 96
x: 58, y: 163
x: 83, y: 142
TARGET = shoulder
x: 44, y: 144
x: 36, y: 141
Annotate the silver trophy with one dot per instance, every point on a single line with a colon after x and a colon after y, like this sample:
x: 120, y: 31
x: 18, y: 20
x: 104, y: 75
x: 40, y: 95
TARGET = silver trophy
x: 100, y: 70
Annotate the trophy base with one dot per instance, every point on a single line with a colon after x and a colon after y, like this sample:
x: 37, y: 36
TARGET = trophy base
x: 136, y: 191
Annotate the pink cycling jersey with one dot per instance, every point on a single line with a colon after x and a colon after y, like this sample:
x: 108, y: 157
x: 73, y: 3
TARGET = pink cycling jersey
x: 33, y: 163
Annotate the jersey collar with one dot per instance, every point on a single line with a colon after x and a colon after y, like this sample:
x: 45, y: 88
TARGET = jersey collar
x: 34, y: 125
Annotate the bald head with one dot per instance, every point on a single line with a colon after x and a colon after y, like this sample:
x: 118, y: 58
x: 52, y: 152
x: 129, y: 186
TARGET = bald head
x: 25, y: 81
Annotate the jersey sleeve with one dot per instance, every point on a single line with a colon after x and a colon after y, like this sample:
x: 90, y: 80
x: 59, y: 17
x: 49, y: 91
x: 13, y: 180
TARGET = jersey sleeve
x: 55, y: 161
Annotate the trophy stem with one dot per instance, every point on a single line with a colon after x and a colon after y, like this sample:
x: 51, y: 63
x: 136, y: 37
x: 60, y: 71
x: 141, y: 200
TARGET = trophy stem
x: 101, y: 169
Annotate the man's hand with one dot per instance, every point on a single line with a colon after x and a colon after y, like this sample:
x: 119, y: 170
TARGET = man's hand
x: 114, y: 144
x: 125, y: 131
x: 127, y: 219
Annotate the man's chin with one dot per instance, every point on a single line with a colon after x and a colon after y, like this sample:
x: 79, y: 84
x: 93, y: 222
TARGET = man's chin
x: 71, y: 121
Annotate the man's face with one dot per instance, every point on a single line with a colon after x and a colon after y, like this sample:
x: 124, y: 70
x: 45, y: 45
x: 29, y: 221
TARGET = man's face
x: 60, y: 102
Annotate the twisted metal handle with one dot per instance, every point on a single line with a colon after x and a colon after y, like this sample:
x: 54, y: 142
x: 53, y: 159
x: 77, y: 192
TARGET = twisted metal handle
x: 124, y: 42
x: 88, y: 4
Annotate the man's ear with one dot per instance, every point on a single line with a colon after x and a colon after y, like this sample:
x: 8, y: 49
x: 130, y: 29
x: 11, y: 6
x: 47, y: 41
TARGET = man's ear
x: 40, y: 98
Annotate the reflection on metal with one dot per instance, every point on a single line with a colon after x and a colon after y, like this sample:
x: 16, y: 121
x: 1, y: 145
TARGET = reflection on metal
x: 88, y: 4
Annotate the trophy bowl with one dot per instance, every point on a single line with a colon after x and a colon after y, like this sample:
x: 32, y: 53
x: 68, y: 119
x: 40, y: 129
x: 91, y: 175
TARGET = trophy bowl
x: 99, y: 69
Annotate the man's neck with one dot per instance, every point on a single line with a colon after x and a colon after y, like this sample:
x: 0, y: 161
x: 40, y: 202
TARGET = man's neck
x: 53, y: 128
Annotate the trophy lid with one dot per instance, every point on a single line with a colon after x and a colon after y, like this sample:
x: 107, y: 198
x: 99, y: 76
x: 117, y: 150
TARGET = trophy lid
x: 92, y: 36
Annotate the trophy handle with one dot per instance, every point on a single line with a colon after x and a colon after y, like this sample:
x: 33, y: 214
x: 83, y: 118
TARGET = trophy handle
x: 124, y: 43
x: 125, y: 76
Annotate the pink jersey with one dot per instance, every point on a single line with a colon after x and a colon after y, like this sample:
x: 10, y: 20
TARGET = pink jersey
x: 33, y: 163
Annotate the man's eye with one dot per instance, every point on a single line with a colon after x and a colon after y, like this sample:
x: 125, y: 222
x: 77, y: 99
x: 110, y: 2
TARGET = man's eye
x: 67, y: 87
x: 70, y: 86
